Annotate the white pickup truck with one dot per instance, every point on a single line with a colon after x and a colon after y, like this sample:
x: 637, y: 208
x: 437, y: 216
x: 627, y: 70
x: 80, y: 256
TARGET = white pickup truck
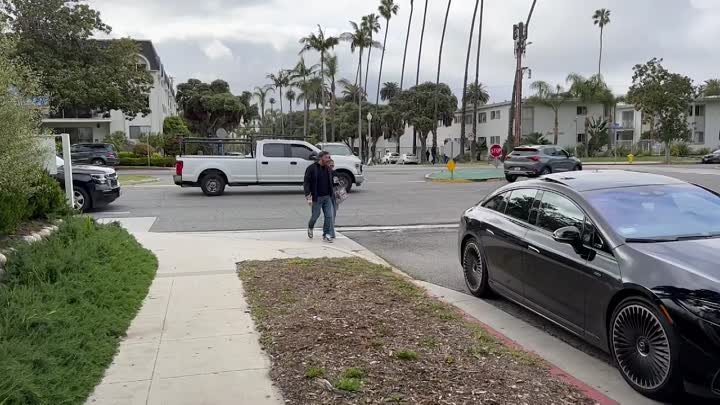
x: 273, y: 163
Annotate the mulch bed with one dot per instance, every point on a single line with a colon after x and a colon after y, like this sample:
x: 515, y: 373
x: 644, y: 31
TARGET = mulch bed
x: 345, y: 331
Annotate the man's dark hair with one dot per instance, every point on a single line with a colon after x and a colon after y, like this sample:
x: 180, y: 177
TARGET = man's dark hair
x: 323, y: 153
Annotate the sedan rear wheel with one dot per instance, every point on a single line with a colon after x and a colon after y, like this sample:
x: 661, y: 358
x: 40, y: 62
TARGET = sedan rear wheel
x: 644, y: 347
x: 545, y: 170
x: 474, y: 270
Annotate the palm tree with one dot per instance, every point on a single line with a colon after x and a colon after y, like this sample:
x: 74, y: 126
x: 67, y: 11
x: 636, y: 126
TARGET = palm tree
x: 280, y: 80
x: 298, y: 76
x: 535, y: 138
x: 321, y: 44
x: 371, y: 23
x: 290, y: 96
x: 359, y: 39
x: 552, y: 97
x: 437, y: 84
x: 465, y: 82
x: 261, y: 94
x: 389, y: 90
x: 272, y: 113
x: 601, y: 18
x: 351, y: 91
x: 590, y: 90
x: 417, y: 74
x: 478, y: 92
x: 387, y: 9
x: 710, y: 88
x: 331, y: 71
x: 407, y: 40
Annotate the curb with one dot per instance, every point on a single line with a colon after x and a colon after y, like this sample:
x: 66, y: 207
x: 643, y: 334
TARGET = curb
x: 428, y: 178
x: 557, y: 372
x: 132, y: 183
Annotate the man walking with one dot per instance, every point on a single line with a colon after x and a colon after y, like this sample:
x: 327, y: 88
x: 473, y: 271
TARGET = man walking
x: 318, y: 185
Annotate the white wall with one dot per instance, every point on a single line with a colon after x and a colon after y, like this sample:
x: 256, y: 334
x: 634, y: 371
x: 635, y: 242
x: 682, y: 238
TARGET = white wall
x: 712, y: 124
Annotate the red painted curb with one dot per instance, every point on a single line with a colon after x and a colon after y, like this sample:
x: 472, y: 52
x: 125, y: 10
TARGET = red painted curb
x: 562, y: 375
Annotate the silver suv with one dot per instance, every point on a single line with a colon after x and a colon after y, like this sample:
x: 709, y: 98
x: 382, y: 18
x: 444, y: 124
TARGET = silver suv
x: 532, y: 161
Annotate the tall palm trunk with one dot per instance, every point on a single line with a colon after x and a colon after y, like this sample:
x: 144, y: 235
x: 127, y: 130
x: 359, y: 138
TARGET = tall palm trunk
x: 464, y: 92
x: 473, y: 144
x: 359, y: 98
x: 407, y: 40
x: 333, y: 104
x: 322, y: 92
x: 282, y: 121
x: 382, y: 59
x: 306, y: 109
x: 601, y: 49
x: 417, y: 74
x: 437, y: 85
x: 556, y: 128
x: 367, y: 69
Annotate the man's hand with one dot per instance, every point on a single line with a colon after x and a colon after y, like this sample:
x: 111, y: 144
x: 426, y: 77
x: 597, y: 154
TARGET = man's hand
x: 309, y: 199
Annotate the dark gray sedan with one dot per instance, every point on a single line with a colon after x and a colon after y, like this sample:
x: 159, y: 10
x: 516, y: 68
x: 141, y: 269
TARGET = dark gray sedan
x: 533, y: 161
x: 712, y: 157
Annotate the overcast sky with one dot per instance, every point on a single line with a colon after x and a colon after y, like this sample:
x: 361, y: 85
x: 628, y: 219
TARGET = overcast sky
x: 241, y: 41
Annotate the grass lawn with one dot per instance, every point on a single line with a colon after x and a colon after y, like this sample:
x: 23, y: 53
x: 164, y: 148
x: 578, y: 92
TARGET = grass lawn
x: 135, y: 178
x: 345, y: 331
x: 65, y: 303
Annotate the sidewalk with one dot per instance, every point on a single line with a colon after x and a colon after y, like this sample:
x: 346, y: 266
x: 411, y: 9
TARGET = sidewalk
x: 193, y: 341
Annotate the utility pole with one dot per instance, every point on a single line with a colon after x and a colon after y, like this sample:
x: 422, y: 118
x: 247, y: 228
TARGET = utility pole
x: 520, y: 37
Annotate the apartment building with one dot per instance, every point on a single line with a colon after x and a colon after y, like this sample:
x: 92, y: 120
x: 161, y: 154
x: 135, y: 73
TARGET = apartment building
x: 85, y: 125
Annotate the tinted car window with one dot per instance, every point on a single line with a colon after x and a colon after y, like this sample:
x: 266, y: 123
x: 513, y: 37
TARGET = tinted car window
x: 300, y: 151
x: 274, y: 150
x: 661, y: 211
x: 549, y: 151
x: 557, y: 212
x: 520, y: 203
x: 591, y: 237
x: 497, y: 203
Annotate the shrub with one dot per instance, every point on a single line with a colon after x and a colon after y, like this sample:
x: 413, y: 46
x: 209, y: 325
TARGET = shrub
x: 680, y: 149
x: 143, y: 161
x: 119, y: 141
x: 126, y: 155
x: 142, y: 149
x: 12, y: 211
x: 174, y: 126
x: 46, y: 199
x: 701, y: 151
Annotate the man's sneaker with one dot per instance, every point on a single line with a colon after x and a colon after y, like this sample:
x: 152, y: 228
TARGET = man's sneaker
x: 310, y: 233
x: 327, y: 239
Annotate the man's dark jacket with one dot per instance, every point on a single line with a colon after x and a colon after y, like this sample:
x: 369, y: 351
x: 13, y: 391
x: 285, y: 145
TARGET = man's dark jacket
x: 311, y: 179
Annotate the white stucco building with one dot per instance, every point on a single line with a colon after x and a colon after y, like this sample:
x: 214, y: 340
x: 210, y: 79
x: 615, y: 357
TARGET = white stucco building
x: 86, y: 126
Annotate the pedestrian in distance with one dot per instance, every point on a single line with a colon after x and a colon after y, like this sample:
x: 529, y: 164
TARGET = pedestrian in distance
x: 320, y: 195
x: 427, y: 156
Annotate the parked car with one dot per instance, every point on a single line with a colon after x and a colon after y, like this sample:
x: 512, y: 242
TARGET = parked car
x: 408, y: 159
x: 96, y: 154
x: 93, y: 186
x: 626, y: 261
x: 533, y: 161
x: 335, y: 148
x: 390, y: 158
x: 712, y: 157
x: 274, y: 163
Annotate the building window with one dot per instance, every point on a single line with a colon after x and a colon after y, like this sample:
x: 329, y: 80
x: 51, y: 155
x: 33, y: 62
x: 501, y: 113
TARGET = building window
x: 699, y: 110
x: 495, y: 115
x: 494, y: 140
x: 468, y: 119
x: 482, y: 117
x: 136, y: 132
x: 581, y: 110
x: 580, y: 138
x: 628, y: 119
x: 698, y: 137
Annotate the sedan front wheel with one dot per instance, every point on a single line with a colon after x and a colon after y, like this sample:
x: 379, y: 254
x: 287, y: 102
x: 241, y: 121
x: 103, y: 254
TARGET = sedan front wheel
x: 474, y: 270
x: 645, y: 348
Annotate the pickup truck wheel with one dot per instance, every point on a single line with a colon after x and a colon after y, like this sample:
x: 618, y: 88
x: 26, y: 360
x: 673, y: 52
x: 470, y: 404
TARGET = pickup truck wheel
x: 344, y: 180
x: 81, y: 199
x: 212, y: 184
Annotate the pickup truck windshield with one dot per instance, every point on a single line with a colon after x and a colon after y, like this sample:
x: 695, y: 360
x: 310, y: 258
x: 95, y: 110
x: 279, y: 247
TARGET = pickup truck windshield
x: 338, y: 150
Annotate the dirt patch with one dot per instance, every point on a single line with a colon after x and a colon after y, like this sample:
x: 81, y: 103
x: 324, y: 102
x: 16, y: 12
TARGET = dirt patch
x: 345, y: 331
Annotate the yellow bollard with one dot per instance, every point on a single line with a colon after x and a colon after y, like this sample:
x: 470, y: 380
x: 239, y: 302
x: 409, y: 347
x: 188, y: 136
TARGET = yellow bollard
x: 631, y: 158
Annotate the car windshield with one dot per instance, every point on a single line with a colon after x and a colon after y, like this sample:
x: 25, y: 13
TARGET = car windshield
x: 659, y: 212
x: 338, y: 150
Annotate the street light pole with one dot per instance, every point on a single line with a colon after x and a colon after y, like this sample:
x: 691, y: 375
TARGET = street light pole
x: 369, y: 118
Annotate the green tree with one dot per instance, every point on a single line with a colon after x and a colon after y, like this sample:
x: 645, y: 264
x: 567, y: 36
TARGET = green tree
x: 261, y: 94
x: 407, y: 41
x: 535, y: 138
x: 389, y: 90
x: 321, y: 44
x: 352, y: 91
x: 551, y: 97
x: 590, y: 90
x: 601, y: 18
x: 175, y: 126
x: 331, y: 72
x: 417, y: 105
x: 290, y: 95
x: 53, y: 37
x: 598, y: 130
x: 299, y: 78
x: 209, y: 107
x: 280, y: 81
x: 465, y: 81
x: 371, y: 24
x: 387, y: 9
x: 664, y: 97
x: 710, y: 88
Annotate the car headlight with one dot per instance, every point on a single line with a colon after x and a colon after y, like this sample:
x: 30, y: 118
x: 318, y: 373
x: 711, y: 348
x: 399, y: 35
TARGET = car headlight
x: 703, y: 308
x: 99, y: 178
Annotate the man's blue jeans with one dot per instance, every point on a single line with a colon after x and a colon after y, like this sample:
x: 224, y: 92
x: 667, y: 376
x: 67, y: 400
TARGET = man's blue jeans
x: 325, y: 203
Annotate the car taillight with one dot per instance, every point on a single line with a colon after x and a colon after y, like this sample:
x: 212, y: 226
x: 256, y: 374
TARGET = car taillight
x: 534, y: 158
x: 179, y: 167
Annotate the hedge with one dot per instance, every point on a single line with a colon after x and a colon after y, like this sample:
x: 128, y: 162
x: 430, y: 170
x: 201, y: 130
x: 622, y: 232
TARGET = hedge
x: 143, y: 161
x: 41, y: 199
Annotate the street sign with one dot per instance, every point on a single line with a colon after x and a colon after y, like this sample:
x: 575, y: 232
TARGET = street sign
x: 496, y: 151
x: 451, y: 165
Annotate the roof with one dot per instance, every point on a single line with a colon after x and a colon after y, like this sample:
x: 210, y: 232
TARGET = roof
x: 588, y: 180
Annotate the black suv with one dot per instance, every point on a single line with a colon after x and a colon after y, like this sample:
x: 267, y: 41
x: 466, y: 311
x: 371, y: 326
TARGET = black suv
x: 93, y: 186
x: 98, y: 154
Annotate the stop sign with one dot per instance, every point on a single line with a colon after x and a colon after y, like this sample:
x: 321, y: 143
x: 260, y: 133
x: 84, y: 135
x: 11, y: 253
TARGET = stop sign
x: 496, y: 151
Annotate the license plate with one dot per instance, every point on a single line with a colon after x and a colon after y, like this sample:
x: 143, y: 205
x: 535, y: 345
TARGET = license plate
x: 517, y: 169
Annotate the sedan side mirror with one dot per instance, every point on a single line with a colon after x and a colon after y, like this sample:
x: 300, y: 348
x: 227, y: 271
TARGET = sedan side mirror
x: 313, y: 156
x: 568, y: 234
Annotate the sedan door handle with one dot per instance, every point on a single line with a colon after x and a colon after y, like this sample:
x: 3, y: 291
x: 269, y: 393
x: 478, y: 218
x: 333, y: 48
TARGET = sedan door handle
x: 293, y: 163
x: 264, y: 163
x: 490, y: 232
x: 534, y: 249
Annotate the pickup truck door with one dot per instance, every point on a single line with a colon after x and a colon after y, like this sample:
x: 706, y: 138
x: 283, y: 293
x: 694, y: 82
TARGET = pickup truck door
x: 299, y: 162
x: 272, y: 163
